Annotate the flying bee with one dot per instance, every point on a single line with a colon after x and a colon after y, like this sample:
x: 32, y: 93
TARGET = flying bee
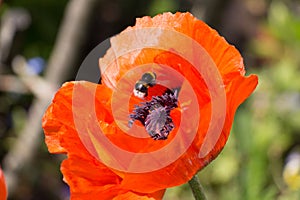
x: 141, y: 86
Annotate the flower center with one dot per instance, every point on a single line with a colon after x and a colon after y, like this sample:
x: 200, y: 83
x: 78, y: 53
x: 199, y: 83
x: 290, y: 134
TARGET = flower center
x: 155, y: 115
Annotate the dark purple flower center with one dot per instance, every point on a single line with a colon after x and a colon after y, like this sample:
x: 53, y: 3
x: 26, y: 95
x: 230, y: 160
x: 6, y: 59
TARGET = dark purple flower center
x: 155, y: 115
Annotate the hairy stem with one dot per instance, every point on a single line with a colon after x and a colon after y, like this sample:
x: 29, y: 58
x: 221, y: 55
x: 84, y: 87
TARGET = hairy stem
x: 197, y: 188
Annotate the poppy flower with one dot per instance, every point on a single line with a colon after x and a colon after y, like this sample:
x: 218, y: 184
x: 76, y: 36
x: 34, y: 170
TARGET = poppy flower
x: 3, y: 192
x: 170, y: 88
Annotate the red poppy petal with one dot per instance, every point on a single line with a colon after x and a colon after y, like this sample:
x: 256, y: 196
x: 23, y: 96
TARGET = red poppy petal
x: 136, y: 196
x: 52, y: 132
x: 63, y: 136
x: 187, y: 165
x: 58, y: 120
x: 225, y: 56
x: 237, y: 87
x: 87, y: 177
x: 3, y: 191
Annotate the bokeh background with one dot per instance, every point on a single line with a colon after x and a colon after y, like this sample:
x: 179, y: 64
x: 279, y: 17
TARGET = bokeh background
x: 42, y: 44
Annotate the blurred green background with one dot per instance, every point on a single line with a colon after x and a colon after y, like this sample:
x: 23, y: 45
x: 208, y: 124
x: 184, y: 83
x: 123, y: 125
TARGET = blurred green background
x: 262, y: 157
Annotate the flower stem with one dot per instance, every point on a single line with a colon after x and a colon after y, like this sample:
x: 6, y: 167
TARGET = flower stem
x: 197, y: 188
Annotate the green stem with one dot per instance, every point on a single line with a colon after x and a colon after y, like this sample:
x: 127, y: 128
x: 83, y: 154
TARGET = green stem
x: 197, y: 188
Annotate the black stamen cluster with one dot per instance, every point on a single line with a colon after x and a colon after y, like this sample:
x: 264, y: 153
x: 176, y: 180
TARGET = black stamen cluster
x: 155, y: 115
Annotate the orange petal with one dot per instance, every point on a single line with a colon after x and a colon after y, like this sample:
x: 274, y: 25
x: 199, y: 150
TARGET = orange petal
x: 188, y: 164
x: 3, y: 191
x: 62, y: 135
x: 87, y: 177
x: 137, y: 196
x: 58, y: 120
x: 230, y: 66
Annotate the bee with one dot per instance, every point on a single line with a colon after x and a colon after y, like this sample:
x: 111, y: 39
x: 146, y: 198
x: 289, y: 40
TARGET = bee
x: 141, y: 86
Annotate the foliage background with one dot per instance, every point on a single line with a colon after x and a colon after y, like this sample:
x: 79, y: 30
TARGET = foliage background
x: 266, y: 131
